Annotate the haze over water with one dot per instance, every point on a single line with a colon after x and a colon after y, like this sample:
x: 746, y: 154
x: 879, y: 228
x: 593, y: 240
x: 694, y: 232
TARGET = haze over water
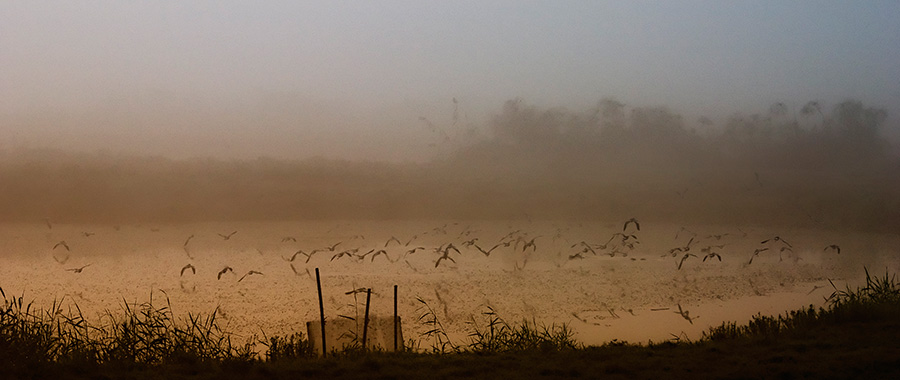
x: 292, y: 80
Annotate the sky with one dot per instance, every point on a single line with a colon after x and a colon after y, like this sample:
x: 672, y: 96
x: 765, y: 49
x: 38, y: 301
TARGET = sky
x: 295, y: 79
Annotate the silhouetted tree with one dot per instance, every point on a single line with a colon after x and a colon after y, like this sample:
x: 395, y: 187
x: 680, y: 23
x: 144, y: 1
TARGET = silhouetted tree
x: 858, y: 122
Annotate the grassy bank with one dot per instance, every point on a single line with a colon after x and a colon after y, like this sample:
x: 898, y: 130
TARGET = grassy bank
x: 854, y: 336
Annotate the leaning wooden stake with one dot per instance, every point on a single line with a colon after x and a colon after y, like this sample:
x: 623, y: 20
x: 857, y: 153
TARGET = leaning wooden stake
x: 321, y: 313
x: 366, y: 320
x: 395, y: 318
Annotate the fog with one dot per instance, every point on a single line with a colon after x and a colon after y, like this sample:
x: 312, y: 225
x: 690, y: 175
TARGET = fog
x: 686, y: 111
x: 828, y: 168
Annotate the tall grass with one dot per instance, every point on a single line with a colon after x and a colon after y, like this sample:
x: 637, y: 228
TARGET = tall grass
x: 148, y: 333
x: 142, y: 333
x: 878, y: 299
x: 493, y: 334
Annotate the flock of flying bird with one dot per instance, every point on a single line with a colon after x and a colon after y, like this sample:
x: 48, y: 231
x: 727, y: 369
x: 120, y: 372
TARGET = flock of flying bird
x: 618, y: 244
x: 621, y: 243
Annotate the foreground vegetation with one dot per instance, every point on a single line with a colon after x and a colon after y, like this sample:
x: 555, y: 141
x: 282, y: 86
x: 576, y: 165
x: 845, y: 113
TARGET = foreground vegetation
x: 855, y: 336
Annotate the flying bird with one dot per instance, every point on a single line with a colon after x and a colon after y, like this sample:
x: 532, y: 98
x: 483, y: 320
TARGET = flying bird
x: 250, y: 273
x: 711, y: 256
x: 685, y: 314
x: 686, y: 255
x: 226, y: 237
x: 342, y: 254
x: 61, y: 261
x: 293, y: 268
x: 834, y: 247
x: 446, y: 249
x: 630, y: 221
x: 288, y: 238
x: 299, y: 252
x: 223, y: 271
x: 411, y: 251
x: 87, y: 234
x: 815, y: 287
x: 756, y: 253
x: 189, y: 266
x: 777, y: 238
x: 357, y: 290
x: 488, y: 252
x: 78, y: 270
x: 781, y: 251
x: 393, y: 238
x: 444, y: 257
x: 531, y: 244
x: 381, y: 252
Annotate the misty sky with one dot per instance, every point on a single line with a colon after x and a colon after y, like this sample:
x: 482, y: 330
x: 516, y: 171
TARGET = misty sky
x: 351, y: 79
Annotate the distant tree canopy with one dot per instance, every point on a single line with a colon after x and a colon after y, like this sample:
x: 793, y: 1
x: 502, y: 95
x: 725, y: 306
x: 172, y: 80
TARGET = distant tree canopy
x: 850, y: 129
x: 858, y: 123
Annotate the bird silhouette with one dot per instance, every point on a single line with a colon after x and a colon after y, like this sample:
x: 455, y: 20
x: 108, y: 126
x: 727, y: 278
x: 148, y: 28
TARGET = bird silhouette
x: 223, y: 271
x: 781, y: 252
x: 250, y: 273
x: 356, y: 291
x: 226, y: 237
x: 687, y: 248
x: 189, y: 266
x: 756, y: 253
x: 78, y: 270
x: 530, y: 243
x: 342, y: 254
x: 392, y: 239
x: 488, y: 252
x: 444, y: 257
x: 299, y: 252
x: 61, y: 261
x: 777, y: 238
x: 630, y: 221
x: 685, y: 314
x: 446, y: 248
x: 712, y: 255
x: 288, y: 238
x: 296, y: 272
x: 686, y: 255
x: 833, y: 247
x: 381, y: 252
x: 411, y: 251
x: 815, y: 287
